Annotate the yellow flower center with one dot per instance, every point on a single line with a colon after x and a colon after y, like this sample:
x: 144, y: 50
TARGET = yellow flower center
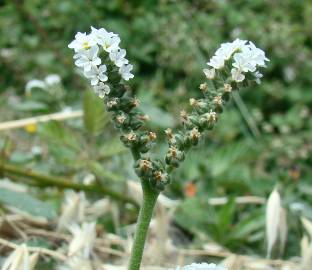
x: 86, y: 45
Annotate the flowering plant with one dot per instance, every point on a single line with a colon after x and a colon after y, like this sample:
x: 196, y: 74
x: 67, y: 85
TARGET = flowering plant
x: 101, y: 60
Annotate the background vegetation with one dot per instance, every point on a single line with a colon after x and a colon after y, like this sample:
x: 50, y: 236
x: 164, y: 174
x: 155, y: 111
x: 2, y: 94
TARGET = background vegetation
x: 261, y: 142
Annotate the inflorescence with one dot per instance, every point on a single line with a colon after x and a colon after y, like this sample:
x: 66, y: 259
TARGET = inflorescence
x: 103, y: 62
x: 88, y: 49
x: 232, y: 65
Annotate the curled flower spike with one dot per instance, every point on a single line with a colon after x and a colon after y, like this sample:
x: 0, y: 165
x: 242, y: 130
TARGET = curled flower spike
x: 88, y: 50
x: 232, y: 64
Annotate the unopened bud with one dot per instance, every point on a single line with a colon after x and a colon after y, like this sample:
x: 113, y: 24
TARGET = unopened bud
x: 169, y: 133
x: 152, y: 136
x: 145, y: 165
x: 121, y: 118
x: 135, y: 102
x: 211, y: 116
x: 227, y: 88
x: 183, y: 115
x: 203, y: 87
x: 195, y: 134
x: 112, y: 103
x: 173, y: 151
x: 193, y: 101
x: 174, y: 156
x: 218, y: 100
x: 131, y: 137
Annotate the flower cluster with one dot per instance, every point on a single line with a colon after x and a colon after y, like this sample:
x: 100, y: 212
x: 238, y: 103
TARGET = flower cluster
x: 228, y: 67
x: 241, y: 57
x: 88, y: 49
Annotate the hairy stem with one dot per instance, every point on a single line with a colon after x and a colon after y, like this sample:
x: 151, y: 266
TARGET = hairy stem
x: 149, y: 200
x: 62, y: 183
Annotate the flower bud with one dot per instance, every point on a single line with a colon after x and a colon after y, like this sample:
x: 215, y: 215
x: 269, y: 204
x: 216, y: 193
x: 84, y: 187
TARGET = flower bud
x: 227, y: 88
x: 159, y: 180
x: 112, y: 104
x: 184, y: 116
x: 208, y: 119
x: 174, y: 156
x: 218, y: 102
x: 146, y: 142
x: 169, y: 133
x: 130, y: 140
x: 194, y: 136
x: 121, y: 120
x: 203, y: 87
x: 143, y: 167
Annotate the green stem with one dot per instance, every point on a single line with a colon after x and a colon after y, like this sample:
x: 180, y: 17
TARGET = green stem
x: 149, y: 200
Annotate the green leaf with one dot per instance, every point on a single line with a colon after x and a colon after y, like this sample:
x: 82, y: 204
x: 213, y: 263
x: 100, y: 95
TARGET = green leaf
x: 95, y: 117
x: 27, y: 203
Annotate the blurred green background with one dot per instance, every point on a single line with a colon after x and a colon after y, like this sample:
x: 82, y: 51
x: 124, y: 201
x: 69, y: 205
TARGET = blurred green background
x: 262, y: 142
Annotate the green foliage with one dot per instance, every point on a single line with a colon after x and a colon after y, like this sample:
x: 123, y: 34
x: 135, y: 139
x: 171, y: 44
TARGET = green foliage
x: 27, y: 203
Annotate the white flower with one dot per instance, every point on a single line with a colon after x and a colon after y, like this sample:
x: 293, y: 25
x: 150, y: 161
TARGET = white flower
x: 237, y: 75
x: 201, y: 266
x: 210, y: 73
x: 82, y: 41
x: 87, y: 59
x: 83, y: 239
x: 225, y: 52
x: 125, y: 72
x: 118, y: 57
x: 216, y: 62
x: 89, y: 47
x: 20, y: 260
x: 245, y: 55
x: 101, y: 89
x: 108, y: 40
x: 243, y: 62
x: 258, y: 55
x: 97, y: 74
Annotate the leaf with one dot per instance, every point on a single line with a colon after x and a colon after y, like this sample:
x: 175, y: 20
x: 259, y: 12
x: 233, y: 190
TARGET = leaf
x: 27, y: 203
x: 95, y: 118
